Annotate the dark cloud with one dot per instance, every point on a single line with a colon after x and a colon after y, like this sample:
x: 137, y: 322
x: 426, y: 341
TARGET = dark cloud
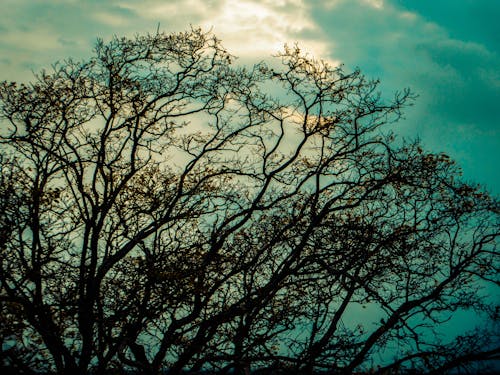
x: 469, y: 20
x: 466, y: 86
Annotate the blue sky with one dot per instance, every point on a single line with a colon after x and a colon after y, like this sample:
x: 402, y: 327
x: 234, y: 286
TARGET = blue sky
x: 447, y: 51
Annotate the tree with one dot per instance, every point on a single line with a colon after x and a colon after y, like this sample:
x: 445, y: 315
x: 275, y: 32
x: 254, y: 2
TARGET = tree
x: 162, y: 209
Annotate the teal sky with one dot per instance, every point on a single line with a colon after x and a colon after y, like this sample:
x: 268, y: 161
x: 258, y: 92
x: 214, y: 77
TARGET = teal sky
x: 447, y: 51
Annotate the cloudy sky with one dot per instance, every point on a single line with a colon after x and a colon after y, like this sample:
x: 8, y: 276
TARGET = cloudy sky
x: 447, y: 51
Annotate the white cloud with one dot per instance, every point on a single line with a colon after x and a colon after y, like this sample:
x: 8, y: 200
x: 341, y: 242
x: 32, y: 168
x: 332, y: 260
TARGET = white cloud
x: 31, y: 40
x: 110, y: 19
x: 172, y: 15
x: 377, y: 4
x: 410, y: 16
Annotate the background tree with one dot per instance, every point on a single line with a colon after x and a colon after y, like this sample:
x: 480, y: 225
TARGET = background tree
x: 161, y: 208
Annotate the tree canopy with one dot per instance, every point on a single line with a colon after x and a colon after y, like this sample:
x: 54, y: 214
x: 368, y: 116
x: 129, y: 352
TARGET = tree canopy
x: 164, y: 209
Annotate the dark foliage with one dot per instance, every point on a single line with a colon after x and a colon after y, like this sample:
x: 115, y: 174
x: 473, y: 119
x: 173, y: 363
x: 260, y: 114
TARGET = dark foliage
x: 162, y: 209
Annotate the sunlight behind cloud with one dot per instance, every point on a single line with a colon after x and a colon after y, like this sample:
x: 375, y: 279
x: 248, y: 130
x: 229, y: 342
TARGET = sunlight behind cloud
x: 250, y: 27
x: 258, y: 29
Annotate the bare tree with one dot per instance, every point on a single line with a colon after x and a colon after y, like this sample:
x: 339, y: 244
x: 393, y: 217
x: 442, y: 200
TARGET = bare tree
x: 162, y: 209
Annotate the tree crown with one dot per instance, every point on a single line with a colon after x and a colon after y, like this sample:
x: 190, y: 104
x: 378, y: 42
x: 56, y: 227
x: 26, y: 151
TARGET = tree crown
x: 161, y: 208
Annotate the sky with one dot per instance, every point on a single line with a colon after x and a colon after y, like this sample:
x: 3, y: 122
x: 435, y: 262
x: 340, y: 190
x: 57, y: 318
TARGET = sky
x: 446, y: 51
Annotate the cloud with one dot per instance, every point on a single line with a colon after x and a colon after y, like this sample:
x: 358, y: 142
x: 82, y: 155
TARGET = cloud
x: 457, y: 79
x: 470, y: 20
x: 377, y: 4
x: 30, y: 40
x: 153, y: 11
x: 462, y: 76
x: 110, y: 19
x: 260, y: 28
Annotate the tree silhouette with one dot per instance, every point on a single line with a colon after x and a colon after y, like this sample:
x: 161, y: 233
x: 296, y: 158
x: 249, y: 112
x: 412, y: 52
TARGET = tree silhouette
x: 163, y: 209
